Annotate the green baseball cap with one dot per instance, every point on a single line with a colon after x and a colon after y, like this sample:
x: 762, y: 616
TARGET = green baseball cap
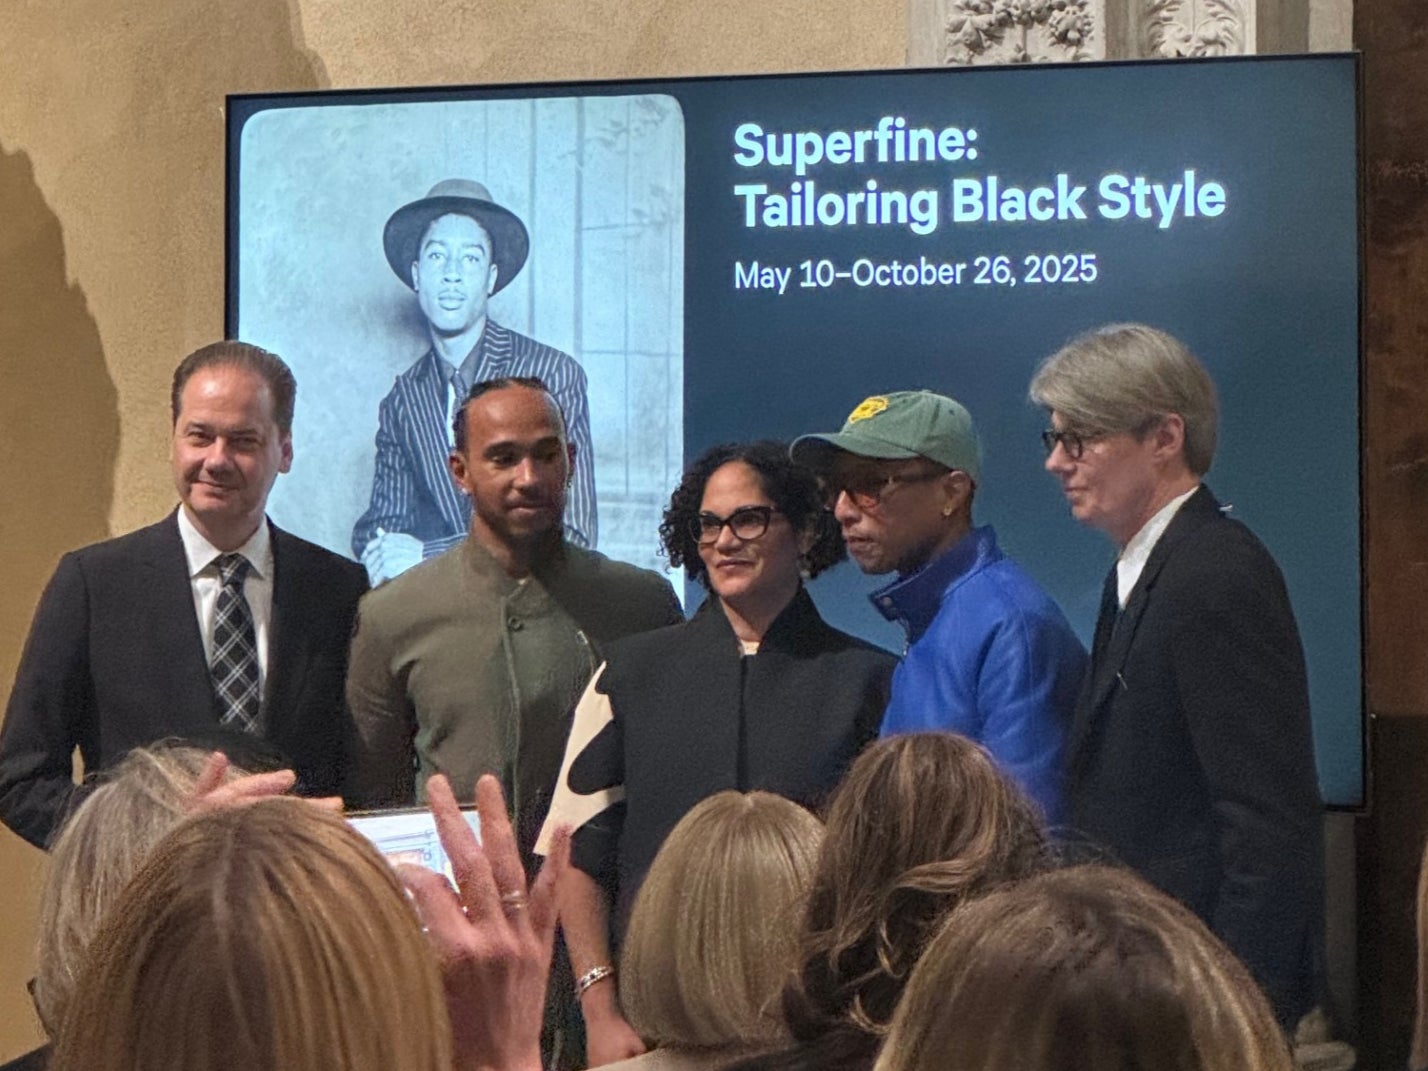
x: 904, y: 424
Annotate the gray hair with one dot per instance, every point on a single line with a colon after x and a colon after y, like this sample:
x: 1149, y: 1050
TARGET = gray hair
x: 98, y: 850
x: 1126, y: 377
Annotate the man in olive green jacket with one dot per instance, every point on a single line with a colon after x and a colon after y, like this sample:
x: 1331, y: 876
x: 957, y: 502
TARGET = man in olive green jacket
x: 471, y: 662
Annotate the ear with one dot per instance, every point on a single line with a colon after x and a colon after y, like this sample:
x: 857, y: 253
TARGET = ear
x: 491, y: 279
x: 456, y: 464
x: 414, y: 276
x: 1168, y: 437
x: 285, y: 457
x: 956, y: 489
x: 569, y: 463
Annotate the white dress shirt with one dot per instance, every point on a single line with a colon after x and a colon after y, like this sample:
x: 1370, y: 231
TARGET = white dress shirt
x: 1132, y: 561
x: 257, y: 586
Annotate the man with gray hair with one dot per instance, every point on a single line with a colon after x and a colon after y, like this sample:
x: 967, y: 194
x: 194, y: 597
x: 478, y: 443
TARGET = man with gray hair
x: 989, y: 654
x: 1191, y: 755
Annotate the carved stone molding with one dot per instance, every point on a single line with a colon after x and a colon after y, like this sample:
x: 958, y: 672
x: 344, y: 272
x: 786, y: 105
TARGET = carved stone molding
x: 980, y: 32
x: 1017, y: 31
x: 1172, y: 28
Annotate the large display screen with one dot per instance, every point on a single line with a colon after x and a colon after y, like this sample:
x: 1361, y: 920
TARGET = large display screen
x: 730, y: 258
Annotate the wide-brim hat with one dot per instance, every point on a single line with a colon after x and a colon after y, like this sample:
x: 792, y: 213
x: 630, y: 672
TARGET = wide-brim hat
x: 461, y: 197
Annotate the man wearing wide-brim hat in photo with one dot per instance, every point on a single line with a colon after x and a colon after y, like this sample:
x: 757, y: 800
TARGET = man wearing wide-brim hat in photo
x: 454, y: 248
x: 989, y: 654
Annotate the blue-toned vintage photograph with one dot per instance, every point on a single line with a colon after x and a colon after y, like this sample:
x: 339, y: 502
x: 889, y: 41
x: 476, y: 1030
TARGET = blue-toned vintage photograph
x: 397, y: 253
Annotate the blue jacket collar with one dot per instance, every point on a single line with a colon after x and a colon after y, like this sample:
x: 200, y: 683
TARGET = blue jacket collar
x: 912, y: 601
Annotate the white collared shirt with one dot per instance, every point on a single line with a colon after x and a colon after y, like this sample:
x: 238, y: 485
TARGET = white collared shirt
x: 257, y: 587
x: 1132, y: 561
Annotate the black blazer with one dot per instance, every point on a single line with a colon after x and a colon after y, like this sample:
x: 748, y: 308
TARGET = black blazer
x: 1191, y: 755
x: 115, y: 660
x: 692, y: 717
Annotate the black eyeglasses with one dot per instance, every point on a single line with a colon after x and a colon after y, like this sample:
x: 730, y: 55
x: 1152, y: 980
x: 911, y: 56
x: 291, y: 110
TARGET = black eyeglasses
x: 746, y: 522
x: 1073, y: 442
x: 866, y: 489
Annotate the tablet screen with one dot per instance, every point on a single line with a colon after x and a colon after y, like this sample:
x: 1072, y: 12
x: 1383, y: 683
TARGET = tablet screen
x: 409, y: 835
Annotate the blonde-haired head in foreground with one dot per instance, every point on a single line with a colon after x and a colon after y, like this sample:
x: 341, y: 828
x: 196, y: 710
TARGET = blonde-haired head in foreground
x: 96, y: 853
x: 1088, y: 967
x: 268, y: 938
x: 712, y: 934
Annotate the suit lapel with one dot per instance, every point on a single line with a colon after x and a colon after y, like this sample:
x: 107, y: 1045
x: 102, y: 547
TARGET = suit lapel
x: 1115, y: 638
x: 1094, y: 683
x: 175, y: 635
x: 720, y: 667
x: 497, y: 350
x: 288, y: 633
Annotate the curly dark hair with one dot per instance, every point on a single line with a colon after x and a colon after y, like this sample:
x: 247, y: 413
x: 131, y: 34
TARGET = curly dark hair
x: 793, y: 488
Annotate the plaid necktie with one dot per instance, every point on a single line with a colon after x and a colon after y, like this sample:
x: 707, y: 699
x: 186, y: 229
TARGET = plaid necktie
x: 234, y: 667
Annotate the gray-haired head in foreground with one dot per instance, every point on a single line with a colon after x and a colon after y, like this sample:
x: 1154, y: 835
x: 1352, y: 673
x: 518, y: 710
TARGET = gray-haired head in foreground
x: 1126, y: 378
x: 96, y: 853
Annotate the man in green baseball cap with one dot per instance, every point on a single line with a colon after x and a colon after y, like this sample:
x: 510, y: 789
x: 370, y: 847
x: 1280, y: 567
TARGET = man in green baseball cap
x: 989, y: 654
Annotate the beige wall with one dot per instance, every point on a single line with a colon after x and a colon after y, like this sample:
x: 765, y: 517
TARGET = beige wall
x: 111, y: 246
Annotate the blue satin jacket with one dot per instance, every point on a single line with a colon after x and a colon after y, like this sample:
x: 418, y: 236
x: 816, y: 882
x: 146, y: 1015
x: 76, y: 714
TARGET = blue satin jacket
x: 990, y: 656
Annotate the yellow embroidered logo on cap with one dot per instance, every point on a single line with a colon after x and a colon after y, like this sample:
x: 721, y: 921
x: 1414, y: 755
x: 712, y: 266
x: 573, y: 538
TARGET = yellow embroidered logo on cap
x: 868, y: 407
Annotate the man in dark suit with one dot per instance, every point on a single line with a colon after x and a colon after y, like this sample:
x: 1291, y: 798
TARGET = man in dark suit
x: 212, y: 625
x: 1191, y: 756
x: 455, y: 248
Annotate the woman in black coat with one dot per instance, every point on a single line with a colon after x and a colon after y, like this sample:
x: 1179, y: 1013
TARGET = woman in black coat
x: 755, y: 692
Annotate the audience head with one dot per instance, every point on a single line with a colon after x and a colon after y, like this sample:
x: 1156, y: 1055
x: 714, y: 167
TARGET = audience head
x: 921, y: 823
x: 96, y: 853
x: 266, y: 937
x: 1087, y: 967
x: 790, y: 489
x: 712, y: 935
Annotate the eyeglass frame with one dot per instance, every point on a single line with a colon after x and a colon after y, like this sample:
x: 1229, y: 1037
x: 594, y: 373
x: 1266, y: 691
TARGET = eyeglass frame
x: 1075, y: 442
x: 698, y: 526
x: 868, y: 500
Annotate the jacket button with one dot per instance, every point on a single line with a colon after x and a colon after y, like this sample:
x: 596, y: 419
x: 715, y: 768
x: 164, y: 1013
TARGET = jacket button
x: 515, y: 624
